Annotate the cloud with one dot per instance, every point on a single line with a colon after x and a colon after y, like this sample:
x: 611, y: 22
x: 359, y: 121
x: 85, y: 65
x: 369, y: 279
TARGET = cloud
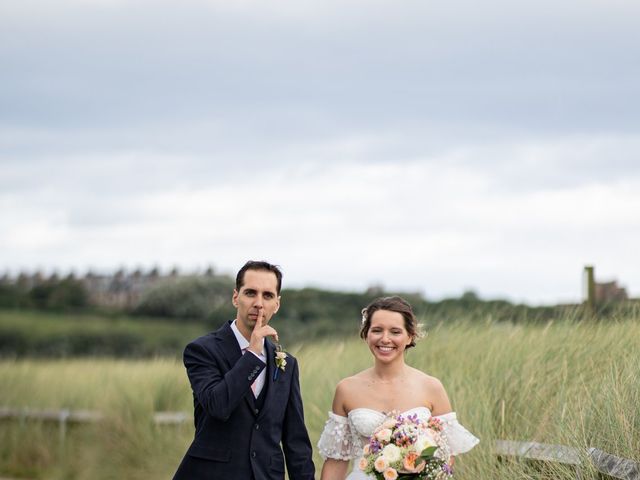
x: 422, y: 145
x: 311, y: 66
x: 424, y: 224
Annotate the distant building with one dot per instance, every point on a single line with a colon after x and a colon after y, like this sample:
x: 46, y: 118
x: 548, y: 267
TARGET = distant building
x: 610, y: 292
x: 601, y: 292
x: 122, y: 289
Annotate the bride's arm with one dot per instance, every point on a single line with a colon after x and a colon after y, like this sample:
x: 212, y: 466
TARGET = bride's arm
x: 460, y: 439
x: 333, y: 469
x: 440, y: 403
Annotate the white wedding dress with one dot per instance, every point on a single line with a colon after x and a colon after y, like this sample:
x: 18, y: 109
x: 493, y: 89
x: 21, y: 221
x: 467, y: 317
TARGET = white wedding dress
x: 344, y: 437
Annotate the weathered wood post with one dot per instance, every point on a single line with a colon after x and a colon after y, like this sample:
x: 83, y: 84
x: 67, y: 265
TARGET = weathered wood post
x: 590, y: 288
x: 63, y: 416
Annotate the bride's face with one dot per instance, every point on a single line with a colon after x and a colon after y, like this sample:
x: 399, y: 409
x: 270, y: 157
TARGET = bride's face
x: 387, y: 337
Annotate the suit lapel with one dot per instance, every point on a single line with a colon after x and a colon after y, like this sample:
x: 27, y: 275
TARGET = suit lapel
x: 232, y: 353
x: 229, y: 344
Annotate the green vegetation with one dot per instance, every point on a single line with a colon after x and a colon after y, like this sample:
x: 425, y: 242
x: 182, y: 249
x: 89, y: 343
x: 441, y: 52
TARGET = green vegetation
x: 574, y: 383
x: 50, y: 294
x: 42, y: 334
x: 202, y: 298
x: 548, y: 374
x: 62, y: 317
x: 307, y: 314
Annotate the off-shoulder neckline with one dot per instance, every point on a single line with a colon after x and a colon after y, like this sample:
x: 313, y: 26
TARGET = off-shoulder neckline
x: 384, y: 414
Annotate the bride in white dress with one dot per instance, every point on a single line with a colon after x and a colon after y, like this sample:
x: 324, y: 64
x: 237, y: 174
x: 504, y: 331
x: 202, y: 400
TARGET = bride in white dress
x: 362, y: 401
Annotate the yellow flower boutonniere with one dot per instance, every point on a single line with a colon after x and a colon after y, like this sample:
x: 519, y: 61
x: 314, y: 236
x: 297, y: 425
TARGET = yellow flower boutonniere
x: 281, y: 361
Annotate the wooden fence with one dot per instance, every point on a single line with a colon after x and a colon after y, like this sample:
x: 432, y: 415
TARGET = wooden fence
x: 604, y: 462
x: 616, y: 467
x: 66, y: 417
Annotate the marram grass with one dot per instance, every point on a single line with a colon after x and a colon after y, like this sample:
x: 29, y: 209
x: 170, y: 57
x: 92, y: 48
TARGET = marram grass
x: 568, y: 383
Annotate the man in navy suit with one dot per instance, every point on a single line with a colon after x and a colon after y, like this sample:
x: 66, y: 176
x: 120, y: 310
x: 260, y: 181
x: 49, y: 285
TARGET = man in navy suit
x: 245, y: 405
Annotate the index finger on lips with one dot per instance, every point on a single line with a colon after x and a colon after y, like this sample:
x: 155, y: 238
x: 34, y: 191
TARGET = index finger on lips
x: 258, y: 324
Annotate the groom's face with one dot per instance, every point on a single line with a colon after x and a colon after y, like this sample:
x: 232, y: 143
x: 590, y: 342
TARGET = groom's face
x: 259, y: 292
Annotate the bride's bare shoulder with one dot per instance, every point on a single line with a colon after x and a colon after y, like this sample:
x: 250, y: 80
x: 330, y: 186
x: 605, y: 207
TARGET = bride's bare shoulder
x: 434, y: 393
x: 426, y: 380
x: 349, y: 390
x: 354, y: 381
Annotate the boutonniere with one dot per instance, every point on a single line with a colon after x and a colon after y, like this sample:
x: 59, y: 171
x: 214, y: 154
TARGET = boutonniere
x: 281, y: 361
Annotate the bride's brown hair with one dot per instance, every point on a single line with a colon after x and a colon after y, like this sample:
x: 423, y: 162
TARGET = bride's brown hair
x: 392, y: 304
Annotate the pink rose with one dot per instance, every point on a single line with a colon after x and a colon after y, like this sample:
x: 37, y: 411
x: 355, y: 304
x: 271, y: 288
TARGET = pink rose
x: 383, y: 435
x: 390, y: 474
x: 380, y: 464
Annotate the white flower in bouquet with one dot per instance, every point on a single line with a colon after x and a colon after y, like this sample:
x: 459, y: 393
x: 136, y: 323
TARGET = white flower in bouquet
x: 391, y: 453
x: 425, y: 440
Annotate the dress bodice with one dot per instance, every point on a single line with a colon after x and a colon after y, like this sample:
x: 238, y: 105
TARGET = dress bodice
x: 344, y: 437
x: 366, y: 420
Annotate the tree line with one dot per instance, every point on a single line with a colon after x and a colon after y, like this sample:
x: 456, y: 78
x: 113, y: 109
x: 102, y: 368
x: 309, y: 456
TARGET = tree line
x: 185, y: 301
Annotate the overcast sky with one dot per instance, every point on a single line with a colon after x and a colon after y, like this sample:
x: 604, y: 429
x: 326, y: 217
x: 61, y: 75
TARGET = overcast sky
x: 425, y: 146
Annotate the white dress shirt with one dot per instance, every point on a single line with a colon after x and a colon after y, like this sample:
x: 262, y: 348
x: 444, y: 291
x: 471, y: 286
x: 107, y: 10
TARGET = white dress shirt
x: 244, y: 345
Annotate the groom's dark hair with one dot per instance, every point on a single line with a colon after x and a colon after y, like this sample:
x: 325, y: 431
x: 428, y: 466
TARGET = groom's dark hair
x: 258, y: 265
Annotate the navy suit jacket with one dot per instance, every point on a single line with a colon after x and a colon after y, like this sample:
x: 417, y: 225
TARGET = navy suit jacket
x: 234, y: 439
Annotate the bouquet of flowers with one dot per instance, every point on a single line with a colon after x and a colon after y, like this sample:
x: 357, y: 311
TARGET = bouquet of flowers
x: 405, y: 447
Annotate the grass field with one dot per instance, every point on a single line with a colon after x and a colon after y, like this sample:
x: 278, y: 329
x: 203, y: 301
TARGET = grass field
x: 568, y: 383
x: 46, y: 334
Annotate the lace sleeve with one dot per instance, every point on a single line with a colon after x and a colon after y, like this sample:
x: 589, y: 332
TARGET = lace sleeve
x: 459, y: 438
x: 338, y: 441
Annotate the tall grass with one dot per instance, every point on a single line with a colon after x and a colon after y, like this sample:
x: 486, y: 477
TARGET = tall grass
x: 572, y: 383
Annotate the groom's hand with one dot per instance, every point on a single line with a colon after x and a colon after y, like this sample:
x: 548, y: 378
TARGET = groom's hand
x: 260, y: 330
